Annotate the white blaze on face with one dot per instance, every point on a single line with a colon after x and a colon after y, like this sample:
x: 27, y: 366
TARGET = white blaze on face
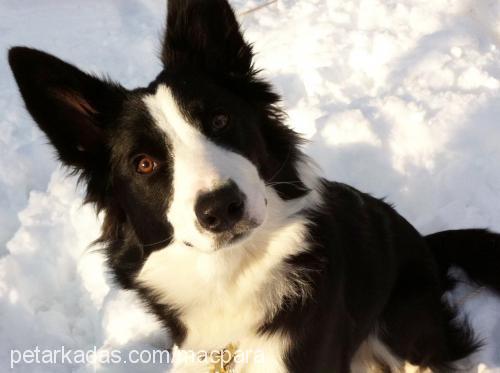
x: 200, y: 166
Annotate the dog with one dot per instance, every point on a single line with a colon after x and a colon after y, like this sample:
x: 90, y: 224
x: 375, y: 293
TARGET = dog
x: 223, y: 226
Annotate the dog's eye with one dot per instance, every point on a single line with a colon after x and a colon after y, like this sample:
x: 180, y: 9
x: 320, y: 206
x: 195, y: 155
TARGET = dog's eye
x: 146, y: 165
x: 220, y: 122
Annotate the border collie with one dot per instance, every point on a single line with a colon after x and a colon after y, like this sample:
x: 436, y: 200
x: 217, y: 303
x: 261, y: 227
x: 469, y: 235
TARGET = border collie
x: 221, y: 224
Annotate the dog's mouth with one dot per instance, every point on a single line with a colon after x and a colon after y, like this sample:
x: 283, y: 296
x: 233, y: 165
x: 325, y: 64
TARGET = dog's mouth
x: 239, y: 233
x: 239, y: 237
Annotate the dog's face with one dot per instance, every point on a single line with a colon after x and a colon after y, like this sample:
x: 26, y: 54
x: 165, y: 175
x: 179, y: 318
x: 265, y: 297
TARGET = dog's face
x: 192, y: 161
x: 191, y: 157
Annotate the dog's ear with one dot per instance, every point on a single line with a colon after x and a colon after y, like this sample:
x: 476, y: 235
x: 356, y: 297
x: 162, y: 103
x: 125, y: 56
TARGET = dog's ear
x: 206, y: 35
x: 70, y: 106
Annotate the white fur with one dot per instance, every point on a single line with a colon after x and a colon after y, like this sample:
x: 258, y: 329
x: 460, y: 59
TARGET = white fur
x: 371, y: 354
x: 225, y: 295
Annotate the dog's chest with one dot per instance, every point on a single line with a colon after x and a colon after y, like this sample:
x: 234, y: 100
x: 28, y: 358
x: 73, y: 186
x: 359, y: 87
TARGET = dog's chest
x: 229, y: 317
x: 219, y: 307
x: 221, y: 317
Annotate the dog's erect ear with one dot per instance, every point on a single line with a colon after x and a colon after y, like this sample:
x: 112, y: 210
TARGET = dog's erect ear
x: 205, y: 34
x: 70, y: 106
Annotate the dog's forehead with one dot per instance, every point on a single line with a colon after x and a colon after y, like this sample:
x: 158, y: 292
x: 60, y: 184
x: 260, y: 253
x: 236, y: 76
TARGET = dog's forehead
x: 167, y: 114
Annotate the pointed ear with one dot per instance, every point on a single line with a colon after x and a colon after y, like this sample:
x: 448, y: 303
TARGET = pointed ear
x: 70, y: 106
x: 205, y: 34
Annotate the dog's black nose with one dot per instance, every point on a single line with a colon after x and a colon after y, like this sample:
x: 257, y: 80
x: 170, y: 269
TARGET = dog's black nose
x: 219, y: 211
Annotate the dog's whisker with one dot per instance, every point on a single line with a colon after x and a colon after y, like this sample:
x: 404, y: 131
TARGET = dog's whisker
x: 157, y: 243
x: 282, y: 166
x: 284, y: 183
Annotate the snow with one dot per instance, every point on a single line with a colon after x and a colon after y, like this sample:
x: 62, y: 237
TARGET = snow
x: 399, y: 98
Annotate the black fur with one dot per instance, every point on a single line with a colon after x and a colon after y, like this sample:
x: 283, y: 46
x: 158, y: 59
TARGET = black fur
x: 476, y: 251
x: 369, y: 270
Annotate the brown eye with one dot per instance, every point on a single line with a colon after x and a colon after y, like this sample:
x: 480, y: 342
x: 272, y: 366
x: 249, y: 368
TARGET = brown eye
x: 220, y: 122
x: 146, y: 165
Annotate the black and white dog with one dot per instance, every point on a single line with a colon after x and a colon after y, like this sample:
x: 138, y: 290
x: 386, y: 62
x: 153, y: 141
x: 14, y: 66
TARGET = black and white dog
x: 221, y: 224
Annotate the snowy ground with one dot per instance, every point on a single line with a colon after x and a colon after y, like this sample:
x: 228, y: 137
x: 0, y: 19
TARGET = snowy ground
x: 400, y: 98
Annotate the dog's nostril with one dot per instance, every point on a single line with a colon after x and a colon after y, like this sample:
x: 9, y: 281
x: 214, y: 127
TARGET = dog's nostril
x: 235, y: 208
x: 210, y: 220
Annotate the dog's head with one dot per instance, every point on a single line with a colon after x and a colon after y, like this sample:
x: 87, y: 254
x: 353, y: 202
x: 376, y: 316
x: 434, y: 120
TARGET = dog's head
x: 191, y: 158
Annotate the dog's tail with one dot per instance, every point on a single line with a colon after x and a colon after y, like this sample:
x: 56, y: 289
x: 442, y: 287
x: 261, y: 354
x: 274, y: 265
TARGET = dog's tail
x: 475, y: 251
